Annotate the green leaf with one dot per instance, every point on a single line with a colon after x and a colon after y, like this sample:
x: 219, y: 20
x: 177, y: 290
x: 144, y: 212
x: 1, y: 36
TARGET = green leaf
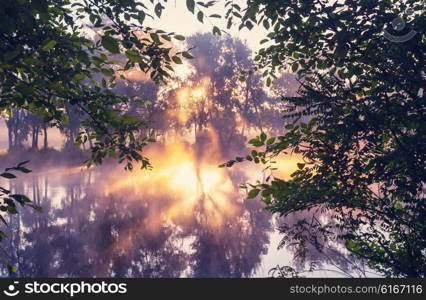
x: 249, y: 25
x: 166, y: 37
x: 216, y: 30
x: 266, y: 24
x: 49, y: 45
x: 134, y: 56
x: 158, y: 9
x: 141, y: 17
x: 179, y: 37
x: 78, y: 77
x: 107, y: 72
x: 270, y: 141
x: 155, y: 38
x: 190, y: 4
x: 300, y: 166
x: 110, y: 44
x: 12, y: 210
x: 263, y: 136
x: 187, y: 55
x: 23, y: 170
x: 200, y: 16
x: 177, y: 60
x: 8, y: 175
x: 22, y: 199
x: 253, y: 193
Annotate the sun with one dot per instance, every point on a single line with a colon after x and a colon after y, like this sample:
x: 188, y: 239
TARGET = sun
x: 198, y: 93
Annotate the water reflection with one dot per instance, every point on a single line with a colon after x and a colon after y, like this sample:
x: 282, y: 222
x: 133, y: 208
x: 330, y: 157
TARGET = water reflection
x: 102, y: 222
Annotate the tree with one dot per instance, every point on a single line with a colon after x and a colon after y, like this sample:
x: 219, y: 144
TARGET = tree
x: 216, y: 96
x: 358, y: 122
x: 18, y: 129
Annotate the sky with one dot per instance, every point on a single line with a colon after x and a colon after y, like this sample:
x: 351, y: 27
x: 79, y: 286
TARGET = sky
x: 177, y: 18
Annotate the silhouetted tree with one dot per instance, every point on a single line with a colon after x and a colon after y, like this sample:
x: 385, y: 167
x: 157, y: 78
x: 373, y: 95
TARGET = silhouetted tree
x: 357, y: 121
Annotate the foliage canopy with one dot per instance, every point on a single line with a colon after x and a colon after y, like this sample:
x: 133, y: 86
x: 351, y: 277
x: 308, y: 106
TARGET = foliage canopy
x: 358, y: 123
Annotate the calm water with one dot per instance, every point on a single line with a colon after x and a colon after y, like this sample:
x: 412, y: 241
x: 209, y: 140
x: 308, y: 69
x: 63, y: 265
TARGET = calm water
x: 183, y: 219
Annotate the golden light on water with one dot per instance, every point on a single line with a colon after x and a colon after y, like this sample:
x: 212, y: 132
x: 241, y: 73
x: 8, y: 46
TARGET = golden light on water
x: 191, y: 183
x: 181, y: 172
x: 186, y: 177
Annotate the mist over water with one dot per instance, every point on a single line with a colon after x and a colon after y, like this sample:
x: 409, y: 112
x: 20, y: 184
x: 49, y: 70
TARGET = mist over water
x: 186, y: 217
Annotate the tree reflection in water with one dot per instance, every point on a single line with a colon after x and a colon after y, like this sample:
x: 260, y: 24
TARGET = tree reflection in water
x: 84, y: 232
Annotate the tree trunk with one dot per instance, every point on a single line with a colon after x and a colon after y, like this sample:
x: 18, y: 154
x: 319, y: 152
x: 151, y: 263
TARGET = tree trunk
x: 34, y: 144
x: 10, y: 136
x: 45, y: 137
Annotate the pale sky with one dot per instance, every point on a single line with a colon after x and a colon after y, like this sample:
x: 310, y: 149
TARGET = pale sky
x: 177, y: 18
